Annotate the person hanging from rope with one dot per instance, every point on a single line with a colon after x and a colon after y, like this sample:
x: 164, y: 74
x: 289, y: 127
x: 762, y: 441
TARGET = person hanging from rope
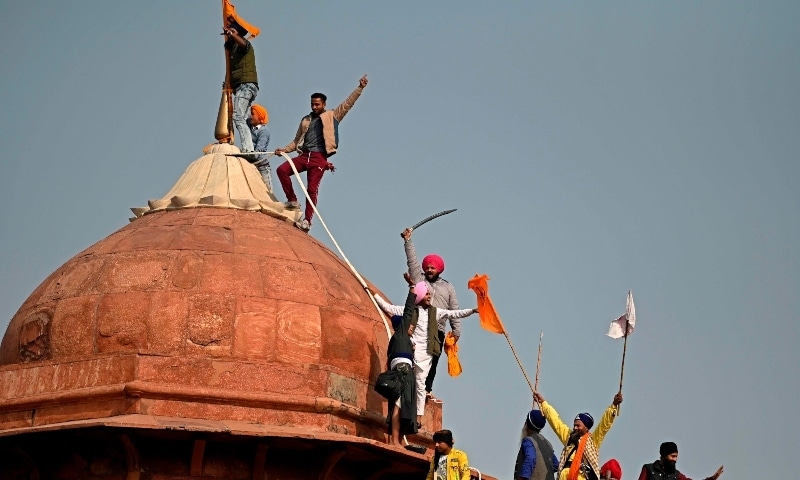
x: 244, y: 79
x: 443, y: 295
x: 424, y: 334
x: 536, y: 459
x: 580, y: 458
x: 316, y: 141
x: 402, y: 412
x: 259, y: 117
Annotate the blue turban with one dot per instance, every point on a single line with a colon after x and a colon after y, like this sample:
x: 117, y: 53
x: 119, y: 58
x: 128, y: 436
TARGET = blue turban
x: 396, y: 320
x: 535, y: 420
x: 587, y: 420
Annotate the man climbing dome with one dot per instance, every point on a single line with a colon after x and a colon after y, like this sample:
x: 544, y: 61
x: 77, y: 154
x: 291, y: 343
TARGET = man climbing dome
x: 316, y: 140
x: 536, y: 459
x: 664, y: 467
x: 259, y: 117
x: 580, y: 458
x: 243, y: 76
x: 424, y: 334
x: 443, y: 295
x: 402, y: 412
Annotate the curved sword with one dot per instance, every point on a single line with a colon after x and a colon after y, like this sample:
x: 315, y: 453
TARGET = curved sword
x: 436, y: 215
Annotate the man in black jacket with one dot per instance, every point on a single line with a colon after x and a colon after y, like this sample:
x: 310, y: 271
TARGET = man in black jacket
x: 403, y: 410
x: 664, y: 467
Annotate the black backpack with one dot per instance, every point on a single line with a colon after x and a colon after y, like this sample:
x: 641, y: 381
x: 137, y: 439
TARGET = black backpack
x: 390, y: 384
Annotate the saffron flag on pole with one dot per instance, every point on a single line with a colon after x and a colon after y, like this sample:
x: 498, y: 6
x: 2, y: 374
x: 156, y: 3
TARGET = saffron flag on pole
x: 489, y: 319
x: 228, y: 10
x: 617, y: 328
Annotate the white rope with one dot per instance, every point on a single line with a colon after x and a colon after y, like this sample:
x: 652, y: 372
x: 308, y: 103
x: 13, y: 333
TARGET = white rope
x: 344, y: 257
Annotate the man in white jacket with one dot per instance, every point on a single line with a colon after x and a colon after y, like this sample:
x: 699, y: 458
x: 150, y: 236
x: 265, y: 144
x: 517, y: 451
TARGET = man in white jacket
x: 424, y: 335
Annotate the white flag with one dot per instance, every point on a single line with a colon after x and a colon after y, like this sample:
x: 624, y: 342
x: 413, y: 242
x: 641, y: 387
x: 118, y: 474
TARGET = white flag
x: 617, y: 328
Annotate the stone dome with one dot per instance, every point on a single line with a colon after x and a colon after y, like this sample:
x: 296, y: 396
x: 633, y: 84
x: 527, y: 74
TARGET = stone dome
x: 202, y: 313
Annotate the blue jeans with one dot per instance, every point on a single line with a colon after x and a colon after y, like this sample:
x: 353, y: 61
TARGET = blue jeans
x: 266, y: 175
x: 242, y: 100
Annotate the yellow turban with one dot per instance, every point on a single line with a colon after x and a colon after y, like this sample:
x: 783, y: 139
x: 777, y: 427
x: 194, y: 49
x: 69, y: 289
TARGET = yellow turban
x: 260, y: 114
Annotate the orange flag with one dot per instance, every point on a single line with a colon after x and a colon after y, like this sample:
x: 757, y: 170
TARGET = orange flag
x: 489, y: 319
x: 451, y: 350
x: 228, y: 10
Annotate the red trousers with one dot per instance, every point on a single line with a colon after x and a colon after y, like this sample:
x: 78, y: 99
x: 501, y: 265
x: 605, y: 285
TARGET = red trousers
x: 315, y: 164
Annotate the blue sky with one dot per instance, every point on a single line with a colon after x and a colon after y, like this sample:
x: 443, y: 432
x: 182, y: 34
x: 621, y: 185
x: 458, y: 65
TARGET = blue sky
x: 589, y: 147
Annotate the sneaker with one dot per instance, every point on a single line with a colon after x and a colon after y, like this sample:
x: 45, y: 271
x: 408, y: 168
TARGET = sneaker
x: 291, y: 205
x: 303, y: 225
x: 415, y: 448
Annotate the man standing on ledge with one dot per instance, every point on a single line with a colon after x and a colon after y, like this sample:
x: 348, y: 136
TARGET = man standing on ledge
x: 317, y: 139
x: 443, y: 296
x: 664, y: 468
x: 244, y: 79
x: 580, y: 458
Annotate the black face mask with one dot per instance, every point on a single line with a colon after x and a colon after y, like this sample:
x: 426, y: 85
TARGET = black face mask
x: 669, y: 465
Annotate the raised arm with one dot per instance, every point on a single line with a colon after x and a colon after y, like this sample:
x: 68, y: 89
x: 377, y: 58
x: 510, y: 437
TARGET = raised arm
x: 559, y: 427
x: 232, y: 34
x: 607, y: 421
x: 388, y: 307
x: 454, y: 314
x: 344, y: 107
x: 414, y: 268
x: 408, y: 309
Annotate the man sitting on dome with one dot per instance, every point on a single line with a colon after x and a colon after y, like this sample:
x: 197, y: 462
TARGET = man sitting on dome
x: 259, y: 117
x: 424, y: 335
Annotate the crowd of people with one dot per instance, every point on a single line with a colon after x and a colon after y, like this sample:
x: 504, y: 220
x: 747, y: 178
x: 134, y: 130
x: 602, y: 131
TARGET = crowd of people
x: 420, y: 324
x: 414, y: 349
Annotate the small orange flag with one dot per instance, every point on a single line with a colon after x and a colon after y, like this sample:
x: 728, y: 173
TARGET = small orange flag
x: 451, y: 350
x: 489, y: 319
x: 228, y: 10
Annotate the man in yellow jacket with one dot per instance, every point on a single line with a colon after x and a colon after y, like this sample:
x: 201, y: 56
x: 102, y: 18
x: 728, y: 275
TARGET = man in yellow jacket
x: 447, y: 463
x: 580, y: 459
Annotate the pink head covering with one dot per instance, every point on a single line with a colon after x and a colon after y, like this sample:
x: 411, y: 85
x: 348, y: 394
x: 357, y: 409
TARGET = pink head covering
x: 420, y: 290
x: 435, y: 261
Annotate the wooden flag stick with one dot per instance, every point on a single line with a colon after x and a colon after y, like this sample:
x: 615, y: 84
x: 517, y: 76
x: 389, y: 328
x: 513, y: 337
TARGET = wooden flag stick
x: 525, y: 374
x: 624, y: 350
x: 538, y: 366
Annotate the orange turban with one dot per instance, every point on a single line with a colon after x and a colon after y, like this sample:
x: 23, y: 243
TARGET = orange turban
x: 260, y: 114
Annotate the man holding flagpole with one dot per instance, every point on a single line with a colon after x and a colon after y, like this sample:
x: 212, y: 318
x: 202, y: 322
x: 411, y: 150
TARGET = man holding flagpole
x: 243, y: 77
x: 580, y: 458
